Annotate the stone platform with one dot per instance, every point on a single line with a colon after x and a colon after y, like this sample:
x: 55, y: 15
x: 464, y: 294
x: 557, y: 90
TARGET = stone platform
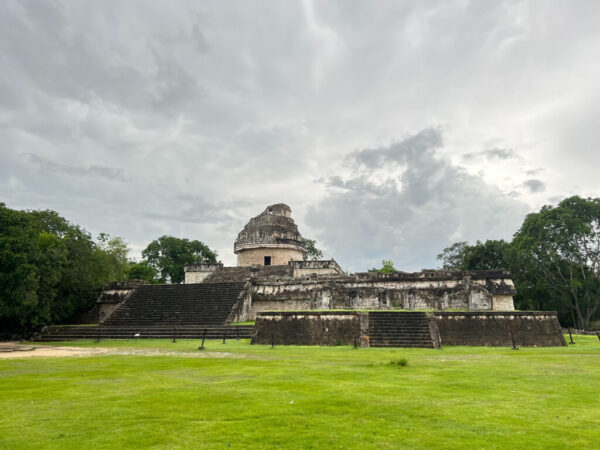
x: 409, y: 328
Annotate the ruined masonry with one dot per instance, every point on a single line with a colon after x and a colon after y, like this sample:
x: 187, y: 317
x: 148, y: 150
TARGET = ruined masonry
x: 311, y: 302
x: 270, y: 255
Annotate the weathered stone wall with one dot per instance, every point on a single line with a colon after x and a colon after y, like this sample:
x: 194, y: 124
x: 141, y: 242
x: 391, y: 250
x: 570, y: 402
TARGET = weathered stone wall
x: 279, y: 256
x: 113, y: 294
x: 261, y: 305
x: 306, y: 268
x: 241, y: 309
x: 503, y: 303
x: 195, y: 277
x: 105, y: 310
x: 495, y: 329
x: 198, y: 273
x: 308, y: 328
x: 426, y: 290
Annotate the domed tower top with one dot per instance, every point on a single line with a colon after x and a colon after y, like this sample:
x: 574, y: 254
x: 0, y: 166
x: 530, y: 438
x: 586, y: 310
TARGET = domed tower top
x: 271, y: 238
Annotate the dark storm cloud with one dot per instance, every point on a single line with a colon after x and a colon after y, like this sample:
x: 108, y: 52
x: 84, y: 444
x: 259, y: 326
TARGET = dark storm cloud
x: 111, y: 173
x: 534, y: 185
x: 84, y: 61
x: 412, y: 149
x: 212, y: 110
x: 422, y: 205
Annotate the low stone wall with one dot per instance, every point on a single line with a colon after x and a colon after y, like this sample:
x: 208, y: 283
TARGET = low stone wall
x: 495, y: 329
x: 485, y: 328
x: 308, y: 328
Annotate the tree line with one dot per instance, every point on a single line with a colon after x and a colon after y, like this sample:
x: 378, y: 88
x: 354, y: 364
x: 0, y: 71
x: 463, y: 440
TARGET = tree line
x: 554, y: 259
x: 52, y: 270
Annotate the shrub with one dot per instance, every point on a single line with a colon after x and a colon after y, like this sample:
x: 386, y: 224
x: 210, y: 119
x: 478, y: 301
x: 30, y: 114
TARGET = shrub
x: 402, y: 362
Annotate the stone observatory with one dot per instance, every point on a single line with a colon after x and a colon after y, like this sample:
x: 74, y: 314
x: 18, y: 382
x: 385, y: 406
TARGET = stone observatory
x: 316, y: 303
x: 271, y: 238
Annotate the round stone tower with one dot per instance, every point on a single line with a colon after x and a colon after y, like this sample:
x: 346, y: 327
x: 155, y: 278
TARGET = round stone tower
x: 271, y: 238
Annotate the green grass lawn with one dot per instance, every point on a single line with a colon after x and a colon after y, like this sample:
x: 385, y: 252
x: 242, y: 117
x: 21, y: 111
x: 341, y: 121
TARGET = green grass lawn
x: 303, y: 397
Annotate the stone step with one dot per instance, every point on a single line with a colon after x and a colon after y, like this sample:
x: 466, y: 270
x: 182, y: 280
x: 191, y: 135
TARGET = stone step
x: 392, y: 328
x: 179, y: 305
x: 402, y: 345
x: 141, y: 330
x: 212, y: 338
x: 399, y: 329
x: 399, y: 324
x: 400, y: 336
x: 215, y: 332
x: 153, y: 328
x: 403, y: 320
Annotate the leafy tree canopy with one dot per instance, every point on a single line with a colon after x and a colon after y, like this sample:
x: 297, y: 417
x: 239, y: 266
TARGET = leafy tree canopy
x: 557, y: 252
x: 387, y: 266
x: 142, y: 271
x: 488, y: 255
x: 554, y: 258
x: 169, y: 255
x: 312, y: 252
x: 51, y: 269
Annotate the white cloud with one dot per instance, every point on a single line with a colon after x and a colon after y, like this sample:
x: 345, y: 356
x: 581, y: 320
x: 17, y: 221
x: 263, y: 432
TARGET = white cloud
x: 424, y: 204
x: 210, y: 111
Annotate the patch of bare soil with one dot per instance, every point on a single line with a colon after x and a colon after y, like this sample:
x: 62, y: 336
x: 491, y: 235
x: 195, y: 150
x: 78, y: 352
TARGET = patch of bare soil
x: 11, y: 350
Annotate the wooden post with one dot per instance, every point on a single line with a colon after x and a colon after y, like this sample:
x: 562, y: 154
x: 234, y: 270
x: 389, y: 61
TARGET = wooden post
x: 174, y: 336
x: 514, y: 343
x: 203, y: 337
x: 237, y: 331
x: 224, y: 332
x: 272, y: 340
x: 570, y: 336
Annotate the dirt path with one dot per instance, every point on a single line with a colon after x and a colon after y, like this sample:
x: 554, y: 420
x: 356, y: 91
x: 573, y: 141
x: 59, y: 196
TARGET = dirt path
x: 12, y: 350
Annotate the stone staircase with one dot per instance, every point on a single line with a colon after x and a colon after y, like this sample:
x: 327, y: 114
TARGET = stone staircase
x: 176, y: 304
x: 400, y: 329
x: 161, y: 311
x: 67, y: 332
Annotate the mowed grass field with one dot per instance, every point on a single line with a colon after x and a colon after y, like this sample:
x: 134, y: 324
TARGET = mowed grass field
x: 237, y: 395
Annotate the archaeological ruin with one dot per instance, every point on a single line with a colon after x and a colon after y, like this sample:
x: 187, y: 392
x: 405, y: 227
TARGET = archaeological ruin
x: 316, y: 302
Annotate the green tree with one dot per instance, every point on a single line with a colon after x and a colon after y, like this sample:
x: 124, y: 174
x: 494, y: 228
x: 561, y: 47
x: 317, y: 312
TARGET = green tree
x: 557, y: 252
x: 488, y: 255
x: 169, y: 255
x: 387, y: 266
x: 50, y: 269
x: 453, y: 257
x: 111, y: 258
x: 142, y: 271
x: 312, y: 252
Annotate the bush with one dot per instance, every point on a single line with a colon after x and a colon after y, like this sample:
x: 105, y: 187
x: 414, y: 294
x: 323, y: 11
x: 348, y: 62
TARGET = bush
x: 402, y: 362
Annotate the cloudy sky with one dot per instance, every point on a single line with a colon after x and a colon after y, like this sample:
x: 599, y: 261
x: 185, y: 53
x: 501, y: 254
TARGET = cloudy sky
x: 392, y: 129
